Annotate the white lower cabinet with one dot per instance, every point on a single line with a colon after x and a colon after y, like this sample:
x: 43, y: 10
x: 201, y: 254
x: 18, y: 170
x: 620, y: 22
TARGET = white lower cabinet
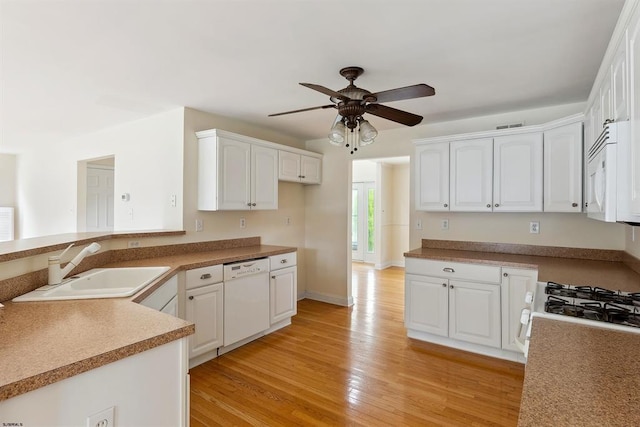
x: 474, y: 313
x: 515, y: 285
x: 473, y: 307
x: 283, y: 287
x: 204, y: 308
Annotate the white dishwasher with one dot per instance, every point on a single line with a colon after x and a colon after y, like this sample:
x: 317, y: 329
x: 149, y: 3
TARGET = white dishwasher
x: 246, y: 299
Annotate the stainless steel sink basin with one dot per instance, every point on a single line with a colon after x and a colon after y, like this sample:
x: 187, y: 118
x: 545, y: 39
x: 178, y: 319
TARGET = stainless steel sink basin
x: 98, y: 283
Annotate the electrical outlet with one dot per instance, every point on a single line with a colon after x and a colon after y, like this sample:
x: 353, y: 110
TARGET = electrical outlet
x: 104, y: 418
x: 199, y: 225
x: 133, y: 244
x: 534, y: 227
x: 243, y: 223
x: 287, y: 220
x: 174, y: 200
x: 444, y: 225
x: 419, y: 224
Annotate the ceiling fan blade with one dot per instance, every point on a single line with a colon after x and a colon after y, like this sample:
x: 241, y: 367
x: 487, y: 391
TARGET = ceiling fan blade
x: 409, y: 92
x: 303, y: 109
x: 326, y: 91
x: 393, y: 114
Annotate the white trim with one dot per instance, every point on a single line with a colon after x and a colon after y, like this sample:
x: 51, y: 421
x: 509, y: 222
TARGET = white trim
x: 330, y: 299
x: 461, y: 345
x: 502, y: 132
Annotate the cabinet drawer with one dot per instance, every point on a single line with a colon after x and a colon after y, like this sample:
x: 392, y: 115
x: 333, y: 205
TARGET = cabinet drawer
x: 281, y: 261
x: 204, y: 276
x: 453, y: 270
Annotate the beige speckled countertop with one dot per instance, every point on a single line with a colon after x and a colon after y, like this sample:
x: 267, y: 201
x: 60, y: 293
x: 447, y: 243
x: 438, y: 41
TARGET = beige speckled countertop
x: 45, y: 342
x: 609, y: 274
x: 579, y: 375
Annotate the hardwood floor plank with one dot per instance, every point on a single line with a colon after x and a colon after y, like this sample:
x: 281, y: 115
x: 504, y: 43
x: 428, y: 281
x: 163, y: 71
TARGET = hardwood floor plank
x: 354, y: 366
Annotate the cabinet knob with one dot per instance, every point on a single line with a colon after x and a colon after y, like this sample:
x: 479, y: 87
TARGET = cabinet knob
x: 444, y: 285
x: 496, y: 205
x: 303, y: 176
x: 249, y: 204
x: 205, y: 276
x: 191, y: 297
x: 448, y: 270
x: 273, y: 277
x: 451, y: 286
x: 253, y: 204
x: 488, y: 205
x: 575, y: 205
x: 446, y: 205
x: 505, y: 274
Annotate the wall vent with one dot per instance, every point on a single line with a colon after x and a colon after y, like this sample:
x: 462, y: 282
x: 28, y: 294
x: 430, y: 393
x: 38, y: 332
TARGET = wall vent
x: 509, y: 126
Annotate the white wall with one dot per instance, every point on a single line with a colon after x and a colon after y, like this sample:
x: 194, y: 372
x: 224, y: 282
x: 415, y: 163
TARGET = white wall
x: 396, y: 221
x: 269, y: 225
x: 7, y: 180
x: 148, y: 159
x: 327, y: 270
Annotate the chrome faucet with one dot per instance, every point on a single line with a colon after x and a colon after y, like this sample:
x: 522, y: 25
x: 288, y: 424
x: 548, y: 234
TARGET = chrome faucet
x: 57, y: 274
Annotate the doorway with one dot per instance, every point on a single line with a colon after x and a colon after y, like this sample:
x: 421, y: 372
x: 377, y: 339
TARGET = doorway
x: 363, y: 202
x: 96, y: 202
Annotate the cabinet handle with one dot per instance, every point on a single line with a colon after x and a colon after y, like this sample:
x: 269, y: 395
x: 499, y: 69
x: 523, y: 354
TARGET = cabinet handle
x: 191, y: 297
x: 575, y: 205
x: 303, y: 176
x: 205, y: 276
x: 496, y: 205
x: 253, y: 204
x: 283, y: 261
x: 444, y: 285
x: 249, y: 204
x: 505, y: 274
x: 488, y: 205
x: 446, y: 205
x: 448, y: 270
x: 273, y: 277
x: 451, y: 286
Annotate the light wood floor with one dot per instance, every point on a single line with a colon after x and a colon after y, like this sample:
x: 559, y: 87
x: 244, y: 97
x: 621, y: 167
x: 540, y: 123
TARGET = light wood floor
x: 354, y: 366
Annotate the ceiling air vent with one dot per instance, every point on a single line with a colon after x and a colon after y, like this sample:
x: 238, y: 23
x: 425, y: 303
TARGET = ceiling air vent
x: 509, y: 126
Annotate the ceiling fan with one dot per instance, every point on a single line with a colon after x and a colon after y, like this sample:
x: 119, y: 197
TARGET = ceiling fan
x: 353, y: 102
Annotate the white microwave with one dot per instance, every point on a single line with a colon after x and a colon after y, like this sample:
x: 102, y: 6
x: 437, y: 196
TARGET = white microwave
x: 609, y: 175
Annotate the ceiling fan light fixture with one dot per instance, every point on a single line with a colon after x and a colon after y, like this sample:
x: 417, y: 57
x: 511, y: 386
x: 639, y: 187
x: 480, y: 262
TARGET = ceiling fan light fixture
x: 337, y: 132
x: 367, y: 132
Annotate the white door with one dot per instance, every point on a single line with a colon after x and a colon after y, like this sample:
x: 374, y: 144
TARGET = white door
x: 515, y: 284
x: 474, y: 313
x: 310, y: 169
x: 471, y: 175
x: 283, y: 290
x: 620, y: 93
x: 204, y: 308
x: 234, y: 175
x: 563, y: 169
x: 100, y: 199
x: 264, y: 178
x: 432, y: 177
x: 426, y: 304
x: 363, y: 221
x: 517, y: 173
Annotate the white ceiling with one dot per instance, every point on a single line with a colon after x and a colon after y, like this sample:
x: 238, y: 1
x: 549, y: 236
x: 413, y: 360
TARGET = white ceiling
x: 74, y: 66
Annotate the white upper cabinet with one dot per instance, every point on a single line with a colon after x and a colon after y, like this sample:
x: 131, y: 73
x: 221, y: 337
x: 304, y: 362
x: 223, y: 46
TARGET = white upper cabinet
x: 432, y: 177
x: 299, y: 168
x: 563, y: 169
x: 517, y: 173
x: 634, y: 98
x: 620, y: 92
x: 235, y: 173
x: 471, y: 175
x: 606, y: 99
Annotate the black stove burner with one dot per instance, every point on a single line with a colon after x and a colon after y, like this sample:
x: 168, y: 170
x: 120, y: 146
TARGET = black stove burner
x: 592, y: 310
x: 594, y: 294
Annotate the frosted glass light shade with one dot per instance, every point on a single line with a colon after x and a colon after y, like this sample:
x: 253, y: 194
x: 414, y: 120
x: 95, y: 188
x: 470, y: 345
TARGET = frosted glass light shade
x: 367, y: 133
x: 337, y: 132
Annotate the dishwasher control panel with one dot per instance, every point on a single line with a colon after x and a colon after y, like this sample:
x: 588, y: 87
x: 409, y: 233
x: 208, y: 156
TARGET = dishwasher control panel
x: 246, y: 268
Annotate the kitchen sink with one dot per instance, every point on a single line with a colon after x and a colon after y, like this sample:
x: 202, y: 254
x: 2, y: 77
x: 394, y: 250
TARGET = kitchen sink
x: 97, y: 283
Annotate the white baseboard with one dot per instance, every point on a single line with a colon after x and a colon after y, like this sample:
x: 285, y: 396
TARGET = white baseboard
x: 331, y: 299
x: 388, y: 264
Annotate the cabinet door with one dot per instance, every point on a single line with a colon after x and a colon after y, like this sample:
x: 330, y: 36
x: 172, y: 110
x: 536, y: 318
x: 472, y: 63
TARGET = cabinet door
x: 310, y: 169
x: 264, y: 178
x: 620, y: 92
x: 288, y: 166
x: 204, y: 308
x: 517, y: 173
x: 606, y: 98
x: 474, y: 313
x: 234, y: 176
x: 432, y: 177
x: 283, y: 294
x: 634, y: 101
x: 563, y: 169
x: 426, y: 304
x: 471, y: 175
x: 515, y: 284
